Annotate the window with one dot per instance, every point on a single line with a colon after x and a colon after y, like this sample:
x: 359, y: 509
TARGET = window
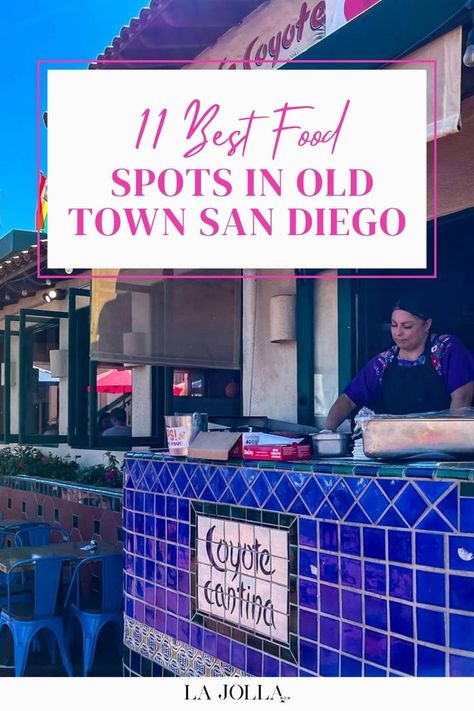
x: 2, y: 385
x: 216, y: 392
x: 10, y: 390
x: 113, y: 385
x: 41, y: 412
x: 78, y: 370
x: 90, y: 409
x: 185, y: 332
x: 187, y: 322
x: 39, y: 389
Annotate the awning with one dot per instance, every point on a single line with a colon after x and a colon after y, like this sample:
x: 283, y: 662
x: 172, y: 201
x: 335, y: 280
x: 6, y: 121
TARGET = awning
x: 18, y: 256
x: 455, y: 168
x: 179, y: 389
x: 15, y: 242
x: 391, y: 29
x: 446, y: 51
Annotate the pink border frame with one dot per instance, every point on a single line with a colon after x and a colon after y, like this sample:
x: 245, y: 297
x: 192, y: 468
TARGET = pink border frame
x: 434, y: 62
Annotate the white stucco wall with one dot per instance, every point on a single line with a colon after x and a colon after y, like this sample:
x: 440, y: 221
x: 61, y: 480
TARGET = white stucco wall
x: 63, y: 381
x: 326, y: 352
x: 269, y: 369
x: 14, y: 379
x: 141, y: 401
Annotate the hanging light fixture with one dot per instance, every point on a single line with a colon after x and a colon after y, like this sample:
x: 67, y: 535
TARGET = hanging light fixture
x: 468, y: 56
x: 54, y: 295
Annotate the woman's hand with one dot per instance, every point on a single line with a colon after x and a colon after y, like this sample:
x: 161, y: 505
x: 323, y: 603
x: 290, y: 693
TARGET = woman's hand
x: 462, y: 397
x: 340, y: 410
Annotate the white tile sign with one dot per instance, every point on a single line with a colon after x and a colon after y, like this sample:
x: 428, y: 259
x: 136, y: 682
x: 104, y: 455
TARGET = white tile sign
x: 242, y: 575
x: 217, y: 170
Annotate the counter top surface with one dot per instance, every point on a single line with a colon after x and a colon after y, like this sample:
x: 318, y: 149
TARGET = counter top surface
x: 346, y: 465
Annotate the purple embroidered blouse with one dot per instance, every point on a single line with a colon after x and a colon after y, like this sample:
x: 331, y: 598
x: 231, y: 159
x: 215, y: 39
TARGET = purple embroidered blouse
x: 449, y: 357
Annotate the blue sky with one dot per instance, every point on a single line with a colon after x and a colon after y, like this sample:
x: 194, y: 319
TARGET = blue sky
x: 31, y: 30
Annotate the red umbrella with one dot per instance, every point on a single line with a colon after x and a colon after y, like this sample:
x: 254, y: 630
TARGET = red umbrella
x: 115, y: 381
x: 178, y: 389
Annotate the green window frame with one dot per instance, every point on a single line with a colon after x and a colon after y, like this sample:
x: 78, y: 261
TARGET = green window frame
x: 8, y: 333
x: 78, y: 371
x: 345, y: 331
x: 38, y: 320
x: 305, y: 349
x: 82, y: 411
x: 2, y: 337
x: 82, y: 371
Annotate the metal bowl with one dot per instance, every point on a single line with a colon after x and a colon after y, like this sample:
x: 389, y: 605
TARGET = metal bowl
x: 332, y: 444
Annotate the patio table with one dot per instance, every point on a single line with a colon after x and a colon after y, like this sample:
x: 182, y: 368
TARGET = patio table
x: 68, y: 551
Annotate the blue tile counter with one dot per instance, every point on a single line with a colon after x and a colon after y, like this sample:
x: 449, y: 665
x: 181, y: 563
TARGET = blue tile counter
x: 322, y: 568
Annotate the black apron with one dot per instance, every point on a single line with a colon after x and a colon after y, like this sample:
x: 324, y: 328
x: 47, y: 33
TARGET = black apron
x: 418, y: 388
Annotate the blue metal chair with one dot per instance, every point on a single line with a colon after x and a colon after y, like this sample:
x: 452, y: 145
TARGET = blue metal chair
x: 41, y: 535
x: 9, y: 528
x: 94, y: 609
x: 37, y: 533
x: 45, y: 611
x: 21, y: 589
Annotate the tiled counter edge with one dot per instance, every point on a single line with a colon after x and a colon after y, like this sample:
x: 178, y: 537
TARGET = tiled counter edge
x: 378, y: 559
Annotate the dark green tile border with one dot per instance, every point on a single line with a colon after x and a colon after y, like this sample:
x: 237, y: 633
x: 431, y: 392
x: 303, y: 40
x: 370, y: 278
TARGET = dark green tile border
x: 467, y: 489
x: 344, y: 467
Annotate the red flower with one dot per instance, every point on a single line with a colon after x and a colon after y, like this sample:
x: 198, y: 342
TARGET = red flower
x: 44, y: 459
x: 110, y: 474
x: 21, y: 464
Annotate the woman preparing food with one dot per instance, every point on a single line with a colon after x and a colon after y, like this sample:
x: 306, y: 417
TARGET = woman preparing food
x: 422, y: 372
